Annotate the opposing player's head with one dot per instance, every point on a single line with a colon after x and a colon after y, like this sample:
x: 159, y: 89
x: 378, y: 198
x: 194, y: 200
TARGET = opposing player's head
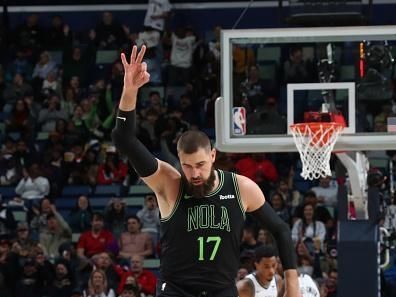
x: 196, y: 158
x: 265, y: 262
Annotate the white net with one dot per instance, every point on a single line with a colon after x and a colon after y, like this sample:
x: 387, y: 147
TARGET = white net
x: 315, y: 142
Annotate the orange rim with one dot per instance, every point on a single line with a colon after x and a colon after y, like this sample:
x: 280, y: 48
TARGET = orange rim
x: 320, y: 138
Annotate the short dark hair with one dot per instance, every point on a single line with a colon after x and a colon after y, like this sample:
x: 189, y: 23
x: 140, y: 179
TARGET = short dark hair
x: 51, y: 216
x: 133, y: 217
x: 191, y: 141
x: 152, y: 93
x: 264, y: 251
x: 97, y: 216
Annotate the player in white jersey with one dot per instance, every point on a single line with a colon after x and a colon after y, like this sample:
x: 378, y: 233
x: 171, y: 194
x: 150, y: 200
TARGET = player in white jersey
x: 264, y: 282
x: 308, y: 287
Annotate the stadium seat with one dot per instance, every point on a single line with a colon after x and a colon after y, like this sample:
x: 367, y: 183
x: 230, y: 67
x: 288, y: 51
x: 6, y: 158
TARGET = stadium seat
x: 76, y: 191
x: 134, y: 201
x: 3, y: 116
x: 107, y: 190
x: 151, y: 263
x: 19, y: 215
x: 139, y: 190
x: 7, y: 192
x: 106, y: 56
x: 65, y: 203
x: 98, y: 203
x: 42, y: 136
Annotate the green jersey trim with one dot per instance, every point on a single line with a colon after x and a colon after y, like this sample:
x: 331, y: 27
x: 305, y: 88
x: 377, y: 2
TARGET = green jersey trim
x: 179, y: 196
x: 238, y: 194
x: 221, y: 183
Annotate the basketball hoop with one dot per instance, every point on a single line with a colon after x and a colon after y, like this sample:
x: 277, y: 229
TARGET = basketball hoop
x: 315, y: 142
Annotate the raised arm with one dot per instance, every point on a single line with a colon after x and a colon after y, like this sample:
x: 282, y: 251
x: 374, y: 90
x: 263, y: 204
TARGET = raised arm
x: 254, y: 202
x: 155, y: 173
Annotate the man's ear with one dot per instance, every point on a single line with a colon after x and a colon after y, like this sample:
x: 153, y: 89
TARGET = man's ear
x: 213, y: 153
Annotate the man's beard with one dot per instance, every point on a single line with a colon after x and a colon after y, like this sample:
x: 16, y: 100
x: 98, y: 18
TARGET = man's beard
x: 199, y: 191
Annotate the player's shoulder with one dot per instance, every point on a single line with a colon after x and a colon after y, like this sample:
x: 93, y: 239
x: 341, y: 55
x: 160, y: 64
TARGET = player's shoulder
x: 244, y: 181
x: 245, y: 283
x: 247, y: 186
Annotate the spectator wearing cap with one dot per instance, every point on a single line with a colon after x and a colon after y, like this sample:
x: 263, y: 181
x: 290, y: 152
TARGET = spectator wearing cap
x: 23, y: 244
x: 116, y: 215
x: 63, y: 283
x: 58, y: 231
x: 96, y: 240
x: 134, y: 241
x: 150, y: 218
x: 113, y: 170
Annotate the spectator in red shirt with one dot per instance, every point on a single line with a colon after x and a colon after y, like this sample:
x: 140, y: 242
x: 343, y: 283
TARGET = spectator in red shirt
x: 96, y: 240
x: 146, y: 280
x: 260, y: 169
x: 257, y: 168
x: 113, y: 170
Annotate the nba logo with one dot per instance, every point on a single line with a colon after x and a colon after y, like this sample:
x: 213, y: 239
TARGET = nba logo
x: 239, y: 120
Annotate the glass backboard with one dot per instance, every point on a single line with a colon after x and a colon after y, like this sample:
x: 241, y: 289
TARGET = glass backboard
x: 272, y: 77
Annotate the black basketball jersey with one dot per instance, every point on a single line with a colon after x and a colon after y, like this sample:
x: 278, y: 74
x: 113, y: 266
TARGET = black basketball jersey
x: 200, y: 239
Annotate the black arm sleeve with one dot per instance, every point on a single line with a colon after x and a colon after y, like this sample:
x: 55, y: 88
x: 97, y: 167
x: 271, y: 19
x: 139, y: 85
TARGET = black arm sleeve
x: 281, y: 232
x: 126, y: 142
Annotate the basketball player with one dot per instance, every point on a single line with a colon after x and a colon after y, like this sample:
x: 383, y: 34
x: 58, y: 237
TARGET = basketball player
x: 264, y: 282
x: 308, y: 287
x: 202, y: 210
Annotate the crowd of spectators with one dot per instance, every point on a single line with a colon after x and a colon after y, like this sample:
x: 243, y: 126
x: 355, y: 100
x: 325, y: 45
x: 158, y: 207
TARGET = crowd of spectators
x: 57, y: 114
